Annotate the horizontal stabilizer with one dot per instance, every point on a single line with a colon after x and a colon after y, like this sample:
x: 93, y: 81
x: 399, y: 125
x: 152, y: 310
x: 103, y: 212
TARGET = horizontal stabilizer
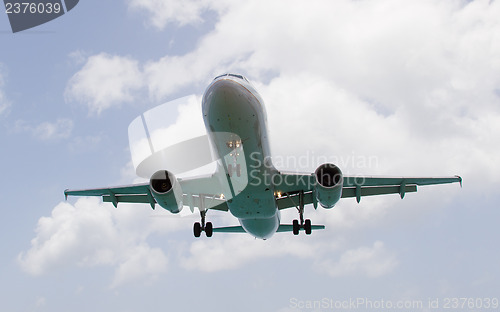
x: 289, y: 228
x: 230, y: 229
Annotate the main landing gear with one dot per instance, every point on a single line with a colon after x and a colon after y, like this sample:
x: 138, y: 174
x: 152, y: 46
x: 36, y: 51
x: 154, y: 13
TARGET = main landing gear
x: 203, y: 226
x: 304, y: 224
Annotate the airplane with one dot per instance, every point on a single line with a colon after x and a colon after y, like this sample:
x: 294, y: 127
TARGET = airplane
x: 245, y: 182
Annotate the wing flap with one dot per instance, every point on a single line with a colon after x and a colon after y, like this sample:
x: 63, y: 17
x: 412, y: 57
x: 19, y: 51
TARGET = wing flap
x: 376, y: 190
x: 214, y: 204
x: 347, y: 192
x: 138, y: 199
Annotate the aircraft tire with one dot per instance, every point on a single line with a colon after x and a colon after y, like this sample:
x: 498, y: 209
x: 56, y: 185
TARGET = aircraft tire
x: 209, y: 229
x: 296, y: 227
x: 307, y: 226
x: 197, y: 229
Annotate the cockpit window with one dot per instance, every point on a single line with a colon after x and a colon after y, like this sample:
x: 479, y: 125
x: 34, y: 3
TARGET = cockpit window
x: 220, y: 76
x: 232, y: 75
x: 237, y: 76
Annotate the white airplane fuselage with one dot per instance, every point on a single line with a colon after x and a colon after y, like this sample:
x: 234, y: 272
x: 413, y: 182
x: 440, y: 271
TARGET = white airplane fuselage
x: 235, y: 120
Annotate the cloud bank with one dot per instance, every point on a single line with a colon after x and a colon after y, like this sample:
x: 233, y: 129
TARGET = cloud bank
x: 90, y: 234
x: 105, y: 81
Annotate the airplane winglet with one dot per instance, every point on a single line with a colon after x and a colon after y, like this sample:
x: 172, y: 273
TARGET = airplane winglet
x: 66, y: 194
x: 459, y: 180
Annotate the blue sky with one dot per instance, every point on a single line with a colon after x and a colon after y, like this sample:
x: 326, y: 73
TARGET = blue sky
x: 379, y: 87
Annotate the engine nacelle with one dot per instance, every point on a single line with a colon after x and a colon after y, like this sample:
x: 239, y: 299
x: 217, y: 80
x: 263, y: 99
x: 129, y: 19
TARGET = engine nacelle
x: 166, y: 191
x: 329, y: 181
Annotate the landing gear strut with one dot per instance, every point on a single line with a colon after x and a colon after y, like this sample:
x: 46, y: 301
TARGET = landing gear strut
x: 304, y: 224
x: 204, y: 226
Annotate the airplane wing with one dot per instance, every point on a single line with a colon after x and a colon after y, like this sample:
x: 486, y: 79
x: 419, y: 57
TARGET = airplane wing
x: 193, y: 189
x: 291, y: 184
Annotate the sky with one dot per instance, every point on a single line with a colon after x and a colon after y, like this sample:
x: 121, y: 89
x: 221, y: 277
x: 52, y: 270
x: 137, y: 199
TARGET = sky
x: 389, y: 87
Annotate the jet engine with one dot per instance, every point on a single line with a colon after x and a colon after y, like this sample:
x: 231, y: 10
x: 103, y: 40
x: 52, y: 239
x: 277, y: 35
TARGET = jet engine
x: 329, y: 181
x: 166, y: 190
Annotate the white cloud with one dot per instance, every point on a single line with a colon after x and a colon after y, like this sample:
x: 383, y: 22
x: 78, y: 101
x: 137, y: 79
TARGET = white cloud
x: 232, y: 252
x: 105, y: 81
x: 368, y: 261
x: 178, y: 12
x: 228, y: 252
x: 89, y: 234
x: 142, y: 261
x: 93, y: 234
x: 60, y: 129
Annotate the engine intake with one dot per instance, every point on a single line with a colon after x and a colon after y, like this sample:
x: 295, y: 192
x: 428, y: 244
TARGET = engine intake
x: 329, y: 181
x: 166, y: 191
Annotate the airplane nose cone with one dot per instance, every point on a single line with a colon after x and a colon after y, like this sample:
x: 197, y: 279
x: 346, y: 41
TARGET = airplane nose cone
x: 222, y: 93
x: 229, y: 98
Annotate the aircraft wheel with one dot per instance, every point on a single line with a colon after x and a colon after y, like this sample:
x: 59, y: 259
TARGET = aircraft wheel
x: 197, y: 229
x: 307, y: 226
x: 238, y: 170
x: 296, y: 227
x: 209, y: 229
